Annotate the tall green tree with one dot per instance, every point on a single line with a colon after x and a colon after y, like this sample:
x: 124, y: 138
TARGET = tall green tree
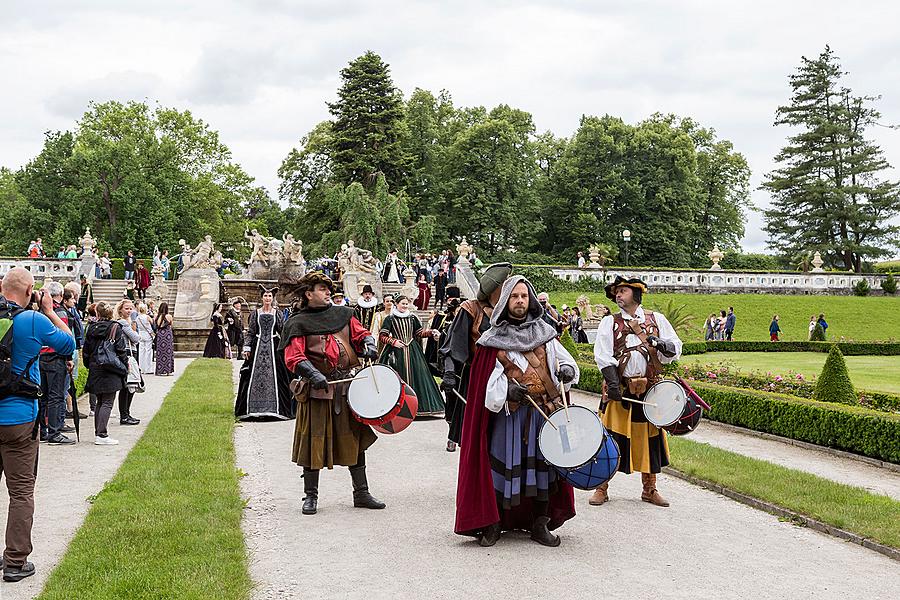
x: 828, y: 192
x: 368, y: 123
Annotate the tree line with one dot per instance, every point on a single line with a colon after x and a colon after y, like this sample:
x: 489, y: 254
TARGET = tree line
x: 384, y: 170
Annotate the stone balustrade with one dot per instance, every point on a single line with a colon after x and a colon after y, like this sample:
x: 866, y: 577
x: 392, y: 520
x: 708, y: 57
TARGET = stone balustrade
x: 58, y: 269
x: 733, y: 282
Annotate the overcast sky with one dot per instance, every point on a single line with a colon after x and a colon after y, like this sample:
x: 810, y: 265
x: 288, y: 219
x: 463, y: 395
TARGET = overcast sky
x: 260, y: 72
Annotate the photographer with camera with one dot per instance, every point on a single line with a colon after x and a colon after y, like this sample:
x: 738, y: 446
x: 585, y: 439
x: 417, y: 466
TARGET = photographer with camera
x: 56, y: 366
x: 31, y: 331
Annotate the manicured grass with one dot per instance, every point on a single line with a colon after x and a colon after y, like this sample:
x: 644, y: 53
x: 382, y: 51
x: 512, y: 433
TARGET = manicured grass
x: 874, y: 373
x: 853, y: 318
x: 168, y: 525
x: 873, y: 516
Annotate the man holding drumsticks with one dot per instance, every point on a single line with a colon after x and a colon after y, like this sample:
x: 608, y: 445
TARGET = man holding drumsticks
x: 630, y: 349
x: 321, y: 344
x: 517, y: 378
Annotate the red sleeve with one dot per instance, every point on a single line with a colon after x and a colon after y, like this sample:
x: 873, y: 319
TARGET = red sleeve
x: 357, y: 332
x: 295, y: 353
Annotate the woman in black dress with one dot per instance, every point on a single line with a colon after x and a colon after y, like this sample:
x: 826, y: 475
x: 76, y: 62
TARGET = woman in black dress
x: 217, y: 345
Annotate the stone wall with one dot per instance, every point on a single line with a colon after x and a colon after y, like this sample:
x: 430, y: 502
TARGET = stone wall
x: 59, y: 269
x: 734, y: 282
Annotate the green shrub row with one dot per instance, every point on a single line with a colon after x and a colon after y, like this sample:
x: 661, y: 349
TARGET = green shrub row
x: 847, y: 348
x: 854, y: 429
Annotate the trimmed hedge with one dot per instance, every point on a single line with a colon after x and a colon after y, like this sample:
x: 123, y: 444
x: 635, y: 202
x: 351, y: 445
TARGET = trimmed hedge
x: 854, y: 429
x: 846, y: 348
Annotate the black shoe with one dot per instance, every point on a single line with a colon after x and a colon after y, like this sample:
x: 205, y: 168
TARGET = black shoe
x: 363, y: 499
x: 61, y: 440
x: 43, y: 437
x: 66, y: 429
x: 129, y: 421
x: 541, y: 534
x: 310, y: 504
x: 490, y: 535
x: 12, y: 574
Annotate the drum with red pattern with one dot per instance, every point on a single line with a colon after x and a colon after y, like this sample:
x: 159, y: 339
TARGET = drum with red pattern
x: 378, y: 397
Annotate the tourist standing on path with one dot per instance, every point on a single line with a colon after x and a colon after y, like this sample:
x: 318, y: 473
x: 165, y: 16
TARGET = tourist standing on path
x: 630, y: 349
x: 165, y: 341
x: 144, y: 328
x: 129, y: 262
x: 812, y: 326
x: 821, y: 321
x: 103, y: 383
x: 721, y: 327
x: 55, y: 367
x: 321, y: 342
x: 31, y: 331
x: 402, y: 351
x: 458, y: 348
x: 730, y: 321
x: 580, y: 260
x: 710, y: 327
x: 774, y: 329
x: 504, y: 482
x: 263, y: 389
x: 123, y: 312
x: 576, y: 326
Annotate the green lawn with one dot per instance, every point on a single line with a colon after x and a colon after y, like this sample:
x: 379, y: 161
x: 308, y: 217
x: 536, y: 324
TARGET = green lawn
x: 873, y: 373
x: 849, y: 317
x: 851, y: 508
x: 168, y: 525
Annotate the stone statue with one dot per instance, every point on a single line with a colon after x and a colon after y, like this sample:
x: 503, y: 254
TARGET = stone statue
x: 293, y: 249
x: 343, y: 259
x: 260, y: 243
x: 584, y: 305
x: 203, y: 253
x: 187, y: 256
x: 352, y: 253
x: 87, y: 242
x: 463, y: 249
x: 715, y: 255
x: 366, y: 262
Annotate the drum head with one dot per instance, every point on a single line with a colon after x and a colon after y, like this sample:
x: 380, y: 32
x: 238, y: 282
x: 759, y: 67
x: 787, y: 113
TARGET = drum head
x: 670, y: 399
x: 574, y: 441
x: 374, y: 391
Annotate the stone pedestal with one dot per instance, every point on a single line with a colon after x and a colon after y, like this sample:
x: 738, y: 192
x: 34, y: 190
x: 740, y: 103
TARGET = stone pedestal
x: 198, y: 293
x: 354, y: 281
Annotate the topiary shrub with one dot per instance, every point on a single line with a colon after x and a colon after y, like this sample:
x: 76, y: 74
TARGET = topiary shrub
x: 818, y: 333
x: 569, y: 344
x: 834, y: 383
x: 861, y: 288
x: 889, y: 285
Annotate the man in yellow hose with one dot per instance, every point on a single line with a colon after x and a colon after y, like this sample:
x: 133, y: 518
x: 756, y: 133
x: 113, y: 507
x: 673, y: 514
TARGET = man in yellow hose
x: 630, y: 349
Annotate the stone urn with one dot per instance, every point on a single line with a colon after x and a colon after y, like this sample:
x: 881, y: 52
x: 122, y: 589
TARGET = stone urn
x: 594, y: 254
x: 817, y: 263
x: 715, y: 255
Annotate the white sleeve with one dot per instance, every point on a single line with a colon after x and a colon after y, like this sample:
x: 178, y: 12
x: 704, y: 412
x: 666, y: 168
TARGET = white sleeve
x: 667, y: 332
x: 557, y: 352
x: 495, y: 394
x: 603, y: 345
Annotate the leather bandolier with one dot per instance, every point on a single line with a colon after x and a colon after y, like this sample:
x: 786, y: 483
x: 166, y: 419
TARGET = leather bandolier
x: 536, y: 377
x: 476, y: 310
x: 347, y: 362
x: 622, y: 352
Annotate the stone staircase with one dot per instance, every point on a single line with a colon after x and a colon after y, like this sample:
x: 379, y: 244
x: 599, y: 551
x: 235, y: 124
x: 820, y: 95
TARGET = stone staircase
x: 113, y: 290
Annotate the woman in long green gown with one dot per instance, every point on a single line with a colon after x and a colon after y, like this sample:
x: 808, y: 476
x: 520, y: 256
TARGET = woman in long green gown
x: 400, y: 335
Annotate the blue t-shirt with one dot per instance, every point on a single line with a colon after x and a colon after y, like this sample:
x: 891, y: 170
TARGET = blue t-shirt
x: 31, y: 331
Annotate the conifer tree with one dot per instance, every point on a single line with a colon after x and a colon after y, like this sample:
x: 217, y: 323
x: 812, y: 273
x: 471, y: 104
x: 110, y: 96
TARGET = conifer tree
x: 834, y: 383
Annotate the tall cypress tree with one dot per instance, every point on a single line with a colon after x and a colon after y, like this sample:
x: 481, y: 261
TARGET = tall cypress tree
x: 368, y: 122
x: 826, y: 192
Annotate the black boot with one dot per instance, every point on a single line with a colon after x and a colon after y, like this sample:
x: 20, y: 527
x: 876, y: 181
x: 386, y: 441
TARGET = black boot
x: 361, y: 496
x: 541, y: 534
x: 310, y: 491
x: 490, y: 535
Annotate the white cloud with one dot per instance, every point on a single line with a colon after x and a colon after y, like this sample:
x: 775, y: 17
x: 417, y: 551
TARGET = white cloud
x: 261, y: 71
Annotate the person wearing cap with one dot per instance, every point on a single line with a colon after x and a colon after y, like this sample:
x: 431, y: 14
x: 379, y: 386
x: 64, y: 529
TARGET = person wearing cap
x: 630, y: 349
x: 322, y: 342
x: 458, y: 348
x: 234, y: 323
x: 366, y: 308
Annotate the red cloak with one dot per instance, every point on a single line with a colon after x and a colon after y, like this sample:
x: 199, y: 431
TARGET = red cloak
x: 476, y: 500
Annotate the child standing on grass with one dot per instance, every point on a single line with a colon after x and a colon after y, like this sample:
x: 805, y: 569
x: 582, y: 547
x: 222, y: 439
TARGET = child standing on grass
x: 774, y: 329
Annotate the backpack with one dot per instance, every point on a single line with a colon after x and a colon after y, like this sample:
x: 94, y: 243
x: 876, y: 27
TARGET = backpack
x: 106, y: 357
x: 11, y: 383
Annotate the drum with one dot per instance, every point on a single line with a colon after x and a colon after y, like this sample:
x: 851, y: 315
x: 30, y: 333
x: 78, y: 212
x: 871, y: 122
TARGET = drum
x: 579, y: 449
x: 675, y: 410
x: 378, y: 397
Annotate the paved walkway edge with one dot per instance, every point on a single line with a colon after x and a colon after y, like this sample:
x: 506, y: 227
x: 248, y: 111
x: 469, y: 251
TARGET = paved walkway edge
x: 889, y: 551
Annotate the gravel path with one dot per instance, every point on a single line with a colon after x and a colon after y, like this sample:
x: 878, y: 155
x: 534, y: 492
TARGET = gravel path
x: 69, y: 475
x: 704, y: 546
x: 828, y: 466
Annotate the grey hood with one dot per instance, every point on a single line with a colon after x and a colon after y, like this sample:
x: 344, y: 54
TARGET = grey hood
x: 522, y: 337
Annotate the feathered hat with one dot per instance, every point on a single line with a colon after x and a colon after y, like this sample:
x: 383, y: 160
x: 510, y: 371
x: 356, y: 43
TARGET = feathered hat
x: 634, y: 283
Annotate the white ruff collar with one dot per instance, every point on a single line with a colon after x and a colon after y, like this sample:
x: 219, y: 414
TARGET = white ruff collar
x: 402, y: 315
x: 363, y: 303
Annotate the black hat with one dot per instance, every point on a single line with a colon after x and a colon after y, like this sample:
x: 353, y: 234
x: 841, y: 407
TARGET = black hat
x: 453, y: 291
x: 493, y: 277
x: 368, y: 289
x: 634, y: 283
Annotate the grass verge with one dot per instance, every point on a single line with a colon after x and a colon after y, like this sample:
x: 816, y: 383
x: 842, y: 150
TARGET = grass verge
x: 168, y: 525
x: 873, y: 516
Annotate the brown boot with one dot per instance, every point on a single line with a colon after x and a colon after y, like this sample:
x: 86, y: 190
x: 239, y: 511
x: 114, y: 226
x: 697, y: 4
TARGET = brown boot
x: 650, y: 494
x: 600, y: 496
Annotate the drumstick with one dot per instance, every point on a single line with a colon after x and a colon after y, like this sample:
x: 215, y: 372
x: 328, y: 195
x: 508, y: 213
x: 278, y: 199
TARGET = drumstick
x: 562, y: 391
x: 458, y: 395
x: 374, y: 378
x: 543, y: 414
x: 636, y: 401
x: 349, y: 379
